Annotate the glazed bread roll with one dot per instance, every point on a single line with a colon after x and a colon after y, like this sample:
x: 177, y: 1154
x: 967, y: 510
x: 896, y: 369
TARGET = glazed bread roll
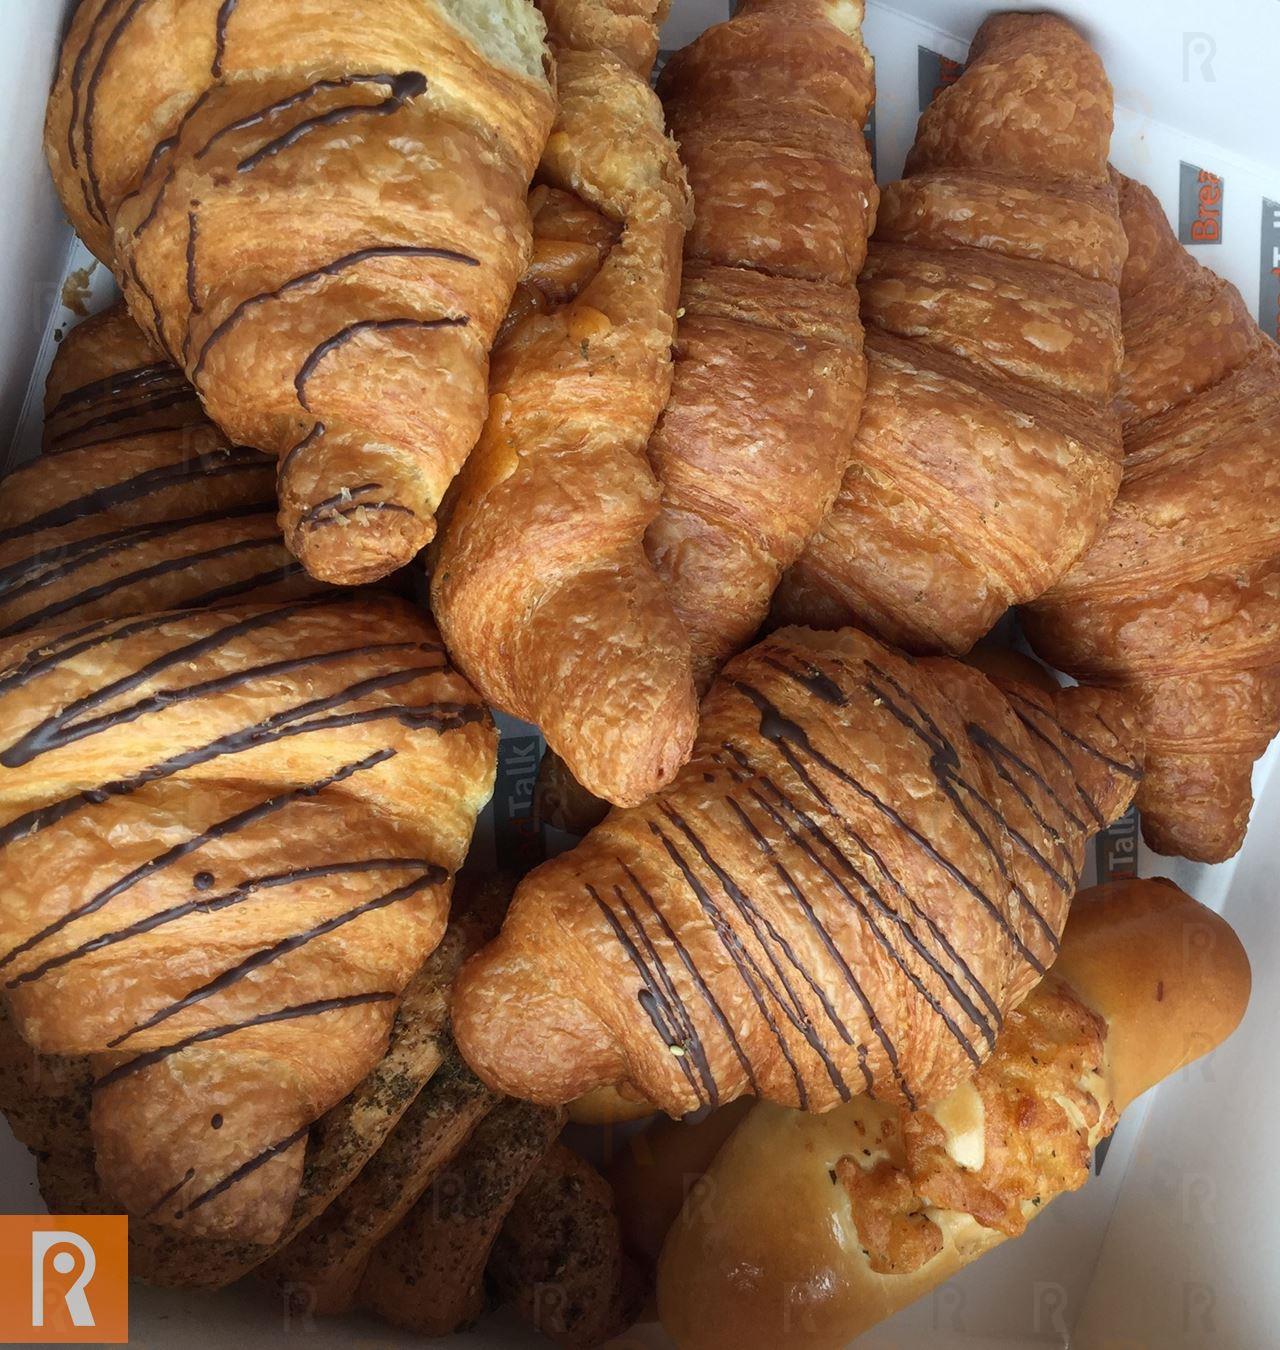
x: 808, y: 1230
x: 1178, y: 601
x: 988, y: 454
x: 865, y: 865
x: 317, y: 208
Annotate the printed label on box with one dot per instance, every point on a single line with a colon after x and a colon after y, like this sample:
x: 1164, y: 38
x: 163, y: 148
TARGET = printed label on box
x: 517, y: 835
x: 936, y: 72
x: 1269, y: 292
x: 1117, y: 848
x: 1200, y: 197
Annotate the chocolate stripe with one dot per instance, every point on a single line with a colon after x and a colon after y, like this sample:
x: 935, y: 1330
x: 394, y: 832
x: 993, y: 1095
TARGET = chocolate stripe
x: 699, y: 983
x: 210, y: 905
x: 354, y: 330
x: 222, y: 829
x: 1128, y: 770
x: 434, y: 876
x: 440, y: 717
x: 877, y: 1027
x: 227, y: 9
x: 748, y: 971
x: 111, y: 387
x: 61, y: 729
x: 218, y: 465
x: 157, y: 401
x: 127, y: 579
x: 55, y: 564
x: 408, y: 85
x: 297, y: 1010
x: 771, y: 942
x: 246, y: 1169
x: 333, y: 269
x: 650, y: 997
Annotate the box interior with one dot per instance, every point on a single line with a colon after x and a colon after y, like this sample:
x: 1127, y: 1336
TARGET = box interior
x: 1169, y: 1245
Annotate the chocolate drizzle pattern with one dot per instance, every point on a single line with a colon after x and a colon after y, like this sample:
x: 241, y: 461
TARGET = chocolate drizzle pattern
x: 355, y: 330
x: 185, y: 893
x: 867, y: 862
x: 165, y: 948
x: 226, y: 135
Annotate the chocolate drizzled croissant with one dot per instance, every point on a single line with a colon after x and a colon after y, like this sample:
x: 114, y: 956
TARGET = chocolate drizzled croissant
x: 867, y: 862
x: 318, y: 210
x: 227, y: 839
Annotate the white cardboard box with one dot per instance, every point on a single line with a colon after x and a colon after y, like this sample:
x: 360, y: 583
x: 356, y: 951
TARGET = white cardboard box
x: 1175, y: 1245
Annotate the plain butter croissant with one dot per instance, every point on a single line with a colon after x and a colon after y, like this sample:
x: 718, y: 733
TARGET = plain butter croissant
x: 227, y: 840
x: 318, y: 209
x: 1179, y: 599
x: 541, y: 584
x: 808, y: 1230
x: 768, y: 109
x: 988, y: 454
x: 865, y: 865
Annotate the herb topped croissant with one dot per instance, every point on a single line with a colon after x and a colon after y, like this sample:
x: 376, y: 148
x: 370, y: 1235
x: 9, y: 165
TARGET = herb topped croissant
x: 317, y: 207
x: 864, y: 866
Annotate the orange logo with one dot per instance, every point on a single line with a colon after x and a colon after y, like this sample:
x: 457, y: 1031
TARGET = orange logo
x: 64, y: 1279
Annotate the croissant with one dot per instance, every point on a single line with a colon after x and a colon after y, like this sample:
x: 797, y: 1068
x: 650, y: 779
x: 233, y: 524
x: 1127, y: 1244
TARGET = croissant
x: 989, y: 453
x: 1178, y: 602
x: 768, y: 109
x: 138, y: 502
x: 864, y: 866
x: 540, y: 585
x: 227, y: 839
x: 317, y: 208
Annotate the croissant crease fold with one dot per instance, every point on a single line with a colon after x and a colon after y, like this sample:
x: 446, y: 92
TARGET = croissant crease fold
x: 318, y: 210
x: 1178, y: 601
x: 768, y: 110
x: 988, y: 455
x: 864, y: 866
x: 540, y: 581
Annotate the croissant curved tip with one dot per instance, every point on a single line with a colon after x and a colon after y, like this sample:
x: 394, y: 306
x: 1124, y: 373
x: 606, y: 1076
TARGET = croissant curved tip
x: 523, y: 1033
x: 357, y: 545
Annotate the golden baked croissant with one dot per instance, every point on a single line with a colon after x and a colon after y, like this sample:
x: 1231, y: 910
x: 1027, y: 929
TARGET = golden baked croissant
x: 227, y: 839
x: 808, y: 1230
x: 318, y: 209
x: 988, y: 455
x: 864, y: 866
x: 541, y: 585
x: 1178, y: 601
x: 138, y: 502
x: 768, y: 109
